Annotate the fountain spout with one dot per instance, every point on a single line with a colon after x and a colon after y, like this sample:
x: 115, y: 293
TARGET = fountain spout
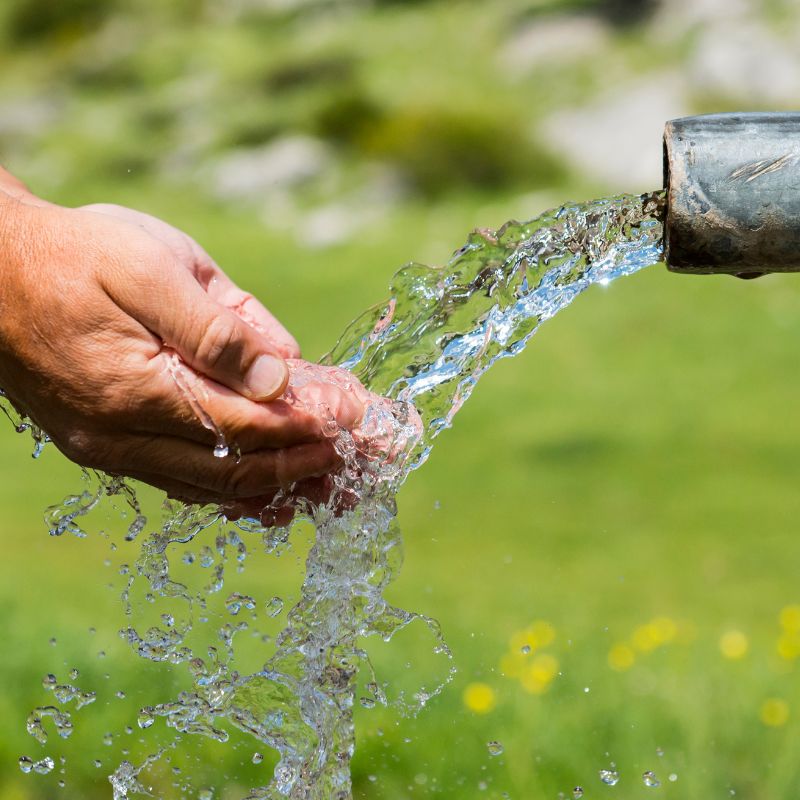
x: 733, y: 194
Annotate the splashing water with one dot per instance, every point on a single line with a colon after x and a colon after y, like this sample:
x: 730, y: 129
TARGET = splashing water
x: 424, y: 350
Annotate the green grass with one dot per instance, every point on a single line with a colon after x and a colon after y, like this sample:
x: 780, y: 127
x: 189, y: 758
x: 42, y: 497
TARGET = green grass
x: 638, y: 461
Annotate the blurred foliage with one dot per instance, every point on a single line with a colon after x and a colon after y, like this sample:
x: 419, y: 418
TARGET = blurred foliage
x: 29, y: 21
x: 637, y: 464
x: 442, y: 149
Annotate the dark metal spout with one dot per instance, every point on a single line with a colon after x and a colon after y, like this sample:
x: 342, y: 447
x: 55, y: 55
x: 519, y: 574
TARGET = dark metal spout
x: 733, y: 194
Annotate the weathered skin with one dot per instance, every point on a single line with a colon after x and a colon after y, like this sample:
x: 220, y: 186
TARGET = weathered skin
x: 94, y: 304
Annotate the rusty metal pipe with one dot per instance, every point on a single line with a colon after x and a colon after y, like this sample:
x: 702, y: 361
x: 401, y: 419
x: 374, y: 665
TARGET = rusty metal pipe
x: 733, y: 194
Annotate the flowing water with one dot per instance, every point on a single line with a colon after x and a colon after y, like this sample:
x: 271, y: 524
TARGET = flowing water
x: 424, y: 349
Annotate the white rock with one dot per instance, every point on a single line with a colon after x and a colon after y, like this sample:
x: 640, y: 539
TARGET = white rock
x: 676, y: 17
x: 27, y: 117
x: 554, y: 40
x: 354, y: 214
x: 618, y: 138
x: 744, y: 60
x: 253, y: 173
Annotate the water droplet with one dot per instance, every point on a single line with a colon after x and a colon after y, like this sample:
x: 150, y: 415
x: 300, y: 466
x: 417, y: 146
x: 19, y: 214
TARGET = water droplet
x: 221, y: 449
x: 610, y: 777
x: 44, y: 766
x: 108, y: 739
x: 586, y: 689
x: 53, y: 642
x: 49, y: 681
x: 274, y: 607
x: 673, y: 777
x: 525, y: 649
x: 74, y: 674
x: 146, y: 717
x: 257, y: 758
x: 98, y: 763
x: 25, y: 764
x: 120, y: 694
x: 649, y: 778
x: 237, y: 601
x: 577, y: 792
x: 659, y: 752
x: 495, y: 748
x: 205, y: 794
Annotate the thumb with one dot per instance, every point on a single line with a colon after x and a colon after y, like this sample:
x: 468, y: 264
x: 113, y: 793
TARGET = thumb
x: 216, y: 342
x: 210, y: 338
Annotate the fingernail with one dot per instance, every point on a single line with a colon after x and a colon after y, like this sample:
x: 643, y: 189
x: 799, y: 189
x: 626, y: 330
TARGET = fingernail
x: 266, y: 378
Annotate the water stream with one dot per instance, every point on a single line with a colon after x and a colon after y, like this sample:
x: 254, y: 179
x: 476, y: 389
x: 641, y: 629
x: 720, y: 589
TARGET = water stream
x: 425, y: 350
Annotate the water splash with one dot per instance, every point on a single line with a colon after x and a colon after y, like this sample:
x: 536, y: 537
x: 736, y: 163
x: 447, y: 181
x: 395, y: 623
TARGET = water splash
x: 424, y: 349
x: 650, y: 780
x: 610, y: 777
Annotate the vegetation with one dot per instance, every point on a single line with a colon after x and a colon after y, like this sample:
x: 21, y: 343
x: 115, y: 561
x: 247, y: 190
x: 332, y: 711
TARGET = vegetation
x: 622, y: 498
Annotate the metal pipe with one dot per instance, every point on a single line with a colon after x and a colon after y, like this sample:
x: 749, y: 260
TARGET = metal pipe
x: 733, y: 194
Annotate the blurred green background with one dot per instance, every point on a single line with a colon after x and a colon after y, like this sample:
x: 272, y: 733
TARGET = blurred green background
x: 622, y: 498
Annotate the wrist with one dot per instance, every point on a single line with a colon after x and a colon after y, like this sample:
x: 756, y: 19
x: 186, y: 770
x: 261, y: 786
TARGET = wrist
x: 14, y: 190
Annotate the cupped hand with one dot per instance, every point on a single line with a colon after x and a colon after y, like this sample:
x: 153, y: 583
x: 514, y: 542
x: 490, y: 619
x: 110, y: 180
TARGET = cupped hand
x: 129, y: 346
x: 379, y: 443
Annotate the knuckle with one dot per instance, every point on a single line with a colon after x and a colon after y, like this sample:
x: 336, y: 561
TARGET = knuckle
x: 86, y: 448
x: 220, y: 342
x: 243, y: 480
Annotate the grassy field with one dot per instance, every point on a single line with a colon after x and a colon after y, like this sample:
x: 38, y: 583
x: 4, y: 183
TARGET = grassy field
x: 622, y: 498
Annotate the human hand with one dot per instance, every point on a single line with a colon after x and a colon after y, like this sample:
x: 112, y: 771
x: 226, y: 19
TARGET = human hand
x: 377, y: 446
x: 94, y: 305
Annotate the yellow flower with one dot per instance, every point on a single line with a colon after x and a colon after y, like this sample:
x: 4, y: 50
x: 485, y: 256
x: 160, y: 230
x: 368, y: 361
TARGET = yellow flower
x: 535, y: 636
x: 646, y: 638
x: 537, y: 678
x: 522, y: 642
x: 790, y: 619
x: 665, y: 628
x: 734, y: 645
x: 789, y: 646
x: 480, y: 698
x: 543, y: 632
x: 774, y: 712
x: 621, y: 657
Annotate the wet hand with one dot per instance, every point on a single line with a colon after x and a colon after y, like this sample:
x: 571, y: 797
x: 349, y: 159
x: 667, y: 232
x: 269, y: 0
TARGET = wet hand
x: 96, y: 305
x: 379, y: 440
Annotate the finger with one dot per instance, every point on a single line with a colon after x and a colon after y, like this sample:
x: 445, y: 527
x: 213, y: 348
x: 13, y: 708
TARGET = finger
x: 177, y: 490
x: 222, y: 289
x: 170, y: 407
x: 208, y: 273
x: 164, y: 297
x: 280, y: 508
x: 251, y: 475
